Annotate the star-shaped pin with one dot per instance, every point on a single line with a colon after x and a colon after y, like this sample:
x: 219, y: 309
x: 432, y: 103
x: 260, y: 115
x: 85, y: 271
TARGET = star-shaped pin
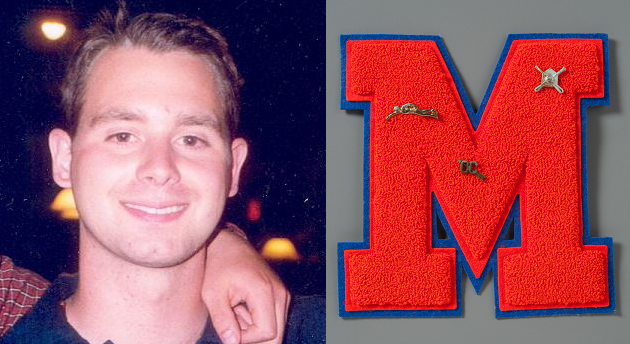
x: 550, y: 79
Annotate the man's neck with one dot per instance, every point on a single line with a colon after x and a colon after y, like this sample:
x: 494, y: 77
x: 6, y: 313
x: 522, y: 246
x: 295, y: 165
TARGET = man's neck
x: 126, y: 303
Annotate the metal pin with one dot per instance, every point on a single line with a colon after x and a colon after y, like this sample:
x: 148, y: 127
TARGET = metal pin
x: 470, y: 167
x: 463, y: 166
x: 550, y: 79
x: 475, y: 171
x: 411, y: 109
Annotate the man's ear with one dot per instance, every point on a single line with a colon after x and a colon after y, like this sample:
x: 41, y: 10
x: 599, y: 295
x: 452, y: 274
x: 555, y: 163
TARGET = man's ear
x: 239, y: 153
x: 60, y: 145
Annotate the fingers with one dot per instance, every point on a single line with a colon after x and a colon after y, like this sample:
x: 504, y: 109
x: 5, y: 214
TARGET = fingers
x: 282, y: 309
x: 224, y: 320
x: 269, y: 318
x: 261, y: 306
x: 243, y: 316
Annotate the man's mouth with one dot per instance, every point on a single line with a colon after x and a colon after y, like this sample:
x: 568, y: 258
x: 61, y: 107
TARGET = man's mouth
x: 159, y: 214
x: 156, y: 211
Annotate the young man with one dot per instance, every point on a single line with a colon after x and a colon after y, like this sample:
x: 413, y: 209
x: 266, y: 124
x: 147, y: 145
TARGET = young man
x: 151, y: 156
x: 234, y: 271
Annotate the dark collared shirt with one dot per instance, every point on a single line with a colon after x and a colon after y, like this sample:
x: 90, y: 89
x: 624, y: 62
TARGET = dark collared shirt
x: 46, y: 323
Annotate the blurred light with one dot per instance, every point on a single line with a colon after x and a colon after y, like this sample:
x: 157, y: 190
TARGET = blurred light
x: 280, y: 249
x: 254, y: 210
x: 64, y: 204
x: 53, y: 30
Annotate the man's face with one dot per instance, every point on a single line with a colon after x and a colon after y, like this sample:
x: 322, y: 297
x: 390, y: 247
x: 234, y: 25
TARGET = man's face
x: 150, y: 164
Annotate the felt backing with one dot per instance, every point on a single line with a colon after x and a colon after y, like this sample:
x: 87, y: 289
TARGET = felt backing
x: 531, y: 146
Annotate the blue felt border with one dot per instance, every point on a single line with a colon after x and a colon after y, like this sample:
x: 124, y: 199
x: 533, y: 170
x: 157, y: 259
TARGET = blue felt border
x: 514, y: 213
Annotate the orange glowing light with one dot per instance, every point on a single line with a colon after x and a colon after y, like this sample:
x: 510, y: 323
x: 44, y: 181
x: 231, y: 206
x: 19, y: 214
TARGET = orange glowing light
x: 280, y: 249
x: 53, y: 30
x: 64, y: 204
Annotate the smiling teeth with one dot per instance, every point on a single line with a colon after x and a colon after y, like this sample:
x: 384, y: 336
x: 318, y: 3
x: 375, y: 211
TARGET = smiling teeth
x: 156, y: 211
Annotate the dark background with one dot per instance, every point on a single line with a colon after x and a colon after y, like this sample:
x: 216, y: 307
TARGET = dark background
x: 279, y: 49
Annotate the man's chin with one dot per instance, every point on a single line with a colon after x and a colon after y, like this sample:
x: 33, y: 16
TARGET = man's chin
x: 158, y: 260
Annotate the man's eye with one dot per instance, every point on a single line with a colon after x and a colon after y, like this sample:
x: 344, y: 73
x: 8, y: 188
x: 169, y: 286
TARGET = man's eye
x: 121, y: 137
x: 193, y: 141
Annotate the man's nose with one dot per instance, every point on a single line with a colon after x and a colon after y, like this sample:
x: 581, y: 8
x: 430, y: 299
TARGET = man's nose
x: 158, y: 165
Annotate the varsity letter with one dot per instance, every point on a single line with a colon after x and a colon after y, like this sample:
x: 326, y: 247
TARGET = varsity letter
x: 527, y: 139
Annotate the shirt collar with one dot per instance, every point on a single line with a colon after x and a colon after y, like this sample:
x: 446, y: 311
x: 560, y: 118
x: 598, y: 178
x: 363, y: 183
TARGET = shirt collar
x: 46, y: 323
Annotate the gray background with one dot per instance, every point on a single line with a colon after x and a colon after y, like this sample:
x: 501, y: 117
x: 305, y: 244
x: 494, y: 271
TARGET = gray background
x: 474, y: 33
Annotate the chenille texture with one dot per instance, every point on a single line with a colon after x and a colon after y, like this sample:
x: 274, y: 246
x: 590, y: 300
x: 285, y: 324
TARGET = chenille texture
x: 527, y: 143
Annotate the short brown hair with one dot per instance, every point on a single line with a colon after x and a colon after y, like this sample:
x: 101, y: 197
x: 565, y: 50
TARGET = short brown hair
x: 161, y: 32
